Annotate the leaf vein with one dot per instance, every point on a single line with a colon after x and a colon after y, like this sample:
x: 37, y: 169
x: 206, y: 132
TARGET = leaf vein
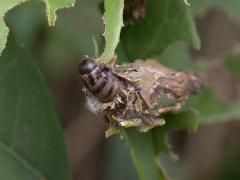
x: 24, y: 162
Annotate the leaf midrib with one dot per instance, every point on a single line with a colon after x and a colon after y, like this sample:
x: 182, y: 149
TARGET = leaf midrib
x: 23, y: 161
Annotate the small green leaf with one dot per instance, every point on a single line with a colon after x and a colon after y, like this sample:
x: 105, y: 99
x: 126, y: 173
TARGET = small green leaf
x: 185, y: 120
x: 211, y: 109
x: 142, y: 150
x: 113, y: 20
x: 166, y: 21
x: 5, y: 5
x: 31, y: 140
x: 145, y: 147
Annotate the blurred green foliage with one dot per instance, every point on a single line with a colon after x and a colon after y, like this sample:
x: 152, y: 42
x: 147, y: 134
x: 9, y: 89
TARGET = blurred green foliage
x: 31, y: 142
x: 166, y: 21
x: 51, y: 7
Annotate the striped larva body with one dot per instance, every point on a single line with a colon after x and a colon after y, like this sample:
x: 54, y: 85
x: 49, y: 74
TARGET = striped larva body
x: 100, y: 81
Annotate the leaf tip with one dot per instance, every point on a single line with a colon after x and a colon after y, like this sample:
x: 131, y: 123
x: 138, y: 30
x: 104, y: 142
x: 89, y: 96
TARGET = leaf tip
x: 52, y: 20
x: 51, y: 11
x: 187, y: 3
x: 196, y: 42
x: 4, y: 36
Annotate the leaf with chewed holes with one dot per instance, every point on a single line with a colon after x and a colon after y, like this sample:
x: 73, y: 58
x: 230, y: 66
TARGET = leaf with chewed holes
x: 113, y: 20
x: 51, y: 7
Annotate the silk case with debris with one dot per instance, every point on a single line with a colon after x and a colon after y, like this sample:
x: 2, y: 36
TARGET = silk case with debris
x: 150, y: 90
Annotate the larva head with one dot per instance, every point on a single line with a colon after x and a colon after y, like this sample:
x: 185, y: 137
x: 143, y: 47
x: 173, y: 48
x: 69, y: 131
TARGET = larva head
x: 87, y: 65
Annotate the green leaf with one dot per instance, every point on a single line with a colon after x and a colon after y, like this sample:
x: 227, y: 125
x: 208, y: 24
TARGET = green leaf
x: 145, y: 147
x: 211, y: 109
x: 166, y: 21
x: 176, y: 56
x: 142, y: 150
x: 5, y: 5
x: 54, y: 5
x: 233, y: 63
x: 14, y: 167
x: 113, y: 20
x: 185, y: 120
x: 31, y: 140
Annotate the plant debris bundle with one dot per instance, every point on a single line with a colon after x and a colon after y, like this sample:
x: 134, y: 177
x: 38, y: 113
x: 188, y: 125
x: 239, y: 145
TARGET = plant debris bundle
x: 136, y: 94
